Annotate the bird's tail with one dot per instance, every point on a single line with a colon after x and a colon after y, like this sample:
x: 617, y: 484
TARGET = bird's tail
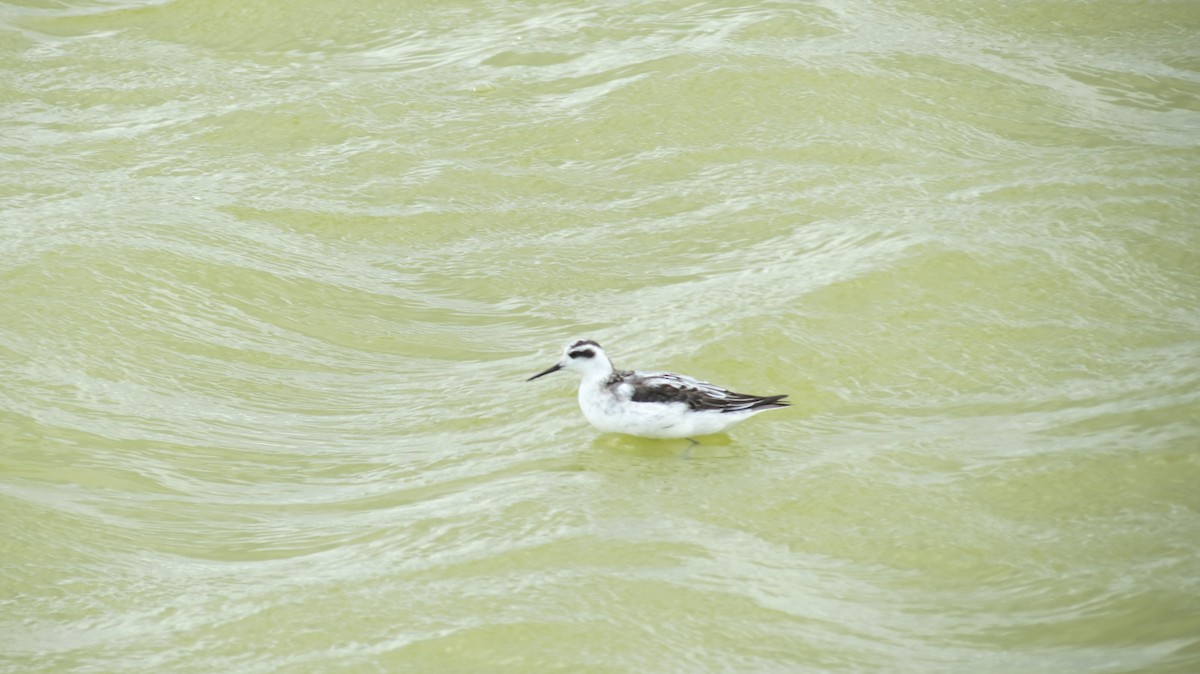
x: 759, y: 404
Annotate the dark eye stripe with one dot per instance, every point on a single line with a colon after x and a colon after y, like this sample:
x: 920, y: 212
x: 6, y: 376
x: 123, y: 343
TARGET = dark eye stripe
x: 582, y: 353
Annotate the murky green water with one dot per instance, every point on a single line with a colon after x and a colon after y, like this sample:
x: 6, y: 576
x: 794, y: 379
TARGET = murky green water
x: 273, y: 275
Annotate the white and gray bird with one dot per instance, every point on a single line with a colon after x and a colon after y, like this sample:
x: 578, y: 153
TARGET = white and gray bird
x: 653, y: 404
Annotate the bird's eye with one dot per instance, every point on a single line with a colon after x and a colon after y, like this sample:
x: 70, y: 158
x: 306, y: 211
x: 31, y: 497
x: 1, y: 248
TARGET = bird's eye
x: 582, y: 353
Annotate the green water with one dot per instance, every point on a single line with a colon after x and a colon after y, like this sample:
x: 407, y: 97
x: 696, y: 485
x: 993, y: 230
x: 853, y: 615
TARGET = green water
x: 273, y: 275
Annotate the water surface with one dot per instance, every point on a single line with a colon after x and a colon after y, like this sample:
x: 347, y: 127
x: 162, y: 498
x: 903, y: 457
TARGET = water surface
x: 273, y: 275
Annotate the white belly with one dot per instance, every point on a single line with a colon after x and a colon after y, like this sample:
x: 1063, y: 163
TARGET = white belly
x: 650, y: 420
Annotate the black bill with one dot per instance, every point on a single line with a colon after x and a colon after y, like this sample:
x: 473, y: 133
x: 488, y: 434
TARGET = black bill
x: 556, y: 368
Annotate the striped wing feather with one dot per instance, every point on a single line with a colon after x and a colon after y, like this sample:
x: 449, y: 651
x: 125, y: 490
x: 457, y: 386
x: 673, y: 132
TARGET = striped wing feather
x: 666, y: 387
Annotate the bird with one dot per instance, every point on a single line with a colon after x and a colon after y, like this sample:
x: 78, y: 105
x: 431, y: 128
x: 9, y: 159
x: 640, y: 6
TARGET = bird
x: 653, y: 404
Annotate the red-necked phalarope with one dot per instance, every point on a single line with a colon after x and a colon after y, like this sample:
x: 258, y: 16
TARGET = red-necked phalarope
x: 653, y: 404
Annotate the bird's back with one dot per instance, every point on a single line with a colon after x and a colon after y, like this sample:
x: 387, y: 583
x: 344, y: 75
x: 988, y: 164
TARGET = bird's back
x: 668, y: 387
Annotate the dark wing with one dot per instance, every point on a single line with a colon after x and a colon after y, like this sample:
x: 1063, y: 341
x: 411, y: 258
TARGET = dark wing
x: 665, y: 387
